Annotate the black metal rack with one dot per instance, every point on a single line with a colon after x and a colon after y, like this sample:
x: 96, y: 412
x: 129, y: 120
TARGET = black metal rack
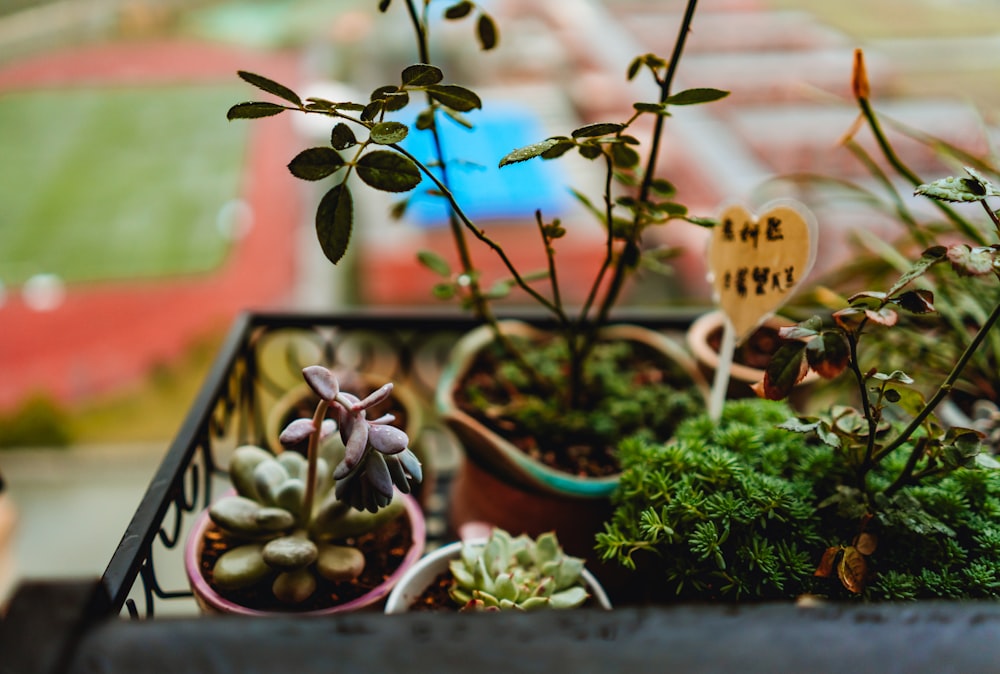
x: 115, y: 623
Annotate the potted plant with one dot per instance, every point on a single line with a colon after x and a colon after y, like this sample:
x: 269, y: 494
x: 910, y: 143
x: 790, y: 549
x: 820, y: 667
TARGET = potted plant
x: 549, y: 383
x: 879, y: 502
x: 495, y: 573
x: 311, y: 533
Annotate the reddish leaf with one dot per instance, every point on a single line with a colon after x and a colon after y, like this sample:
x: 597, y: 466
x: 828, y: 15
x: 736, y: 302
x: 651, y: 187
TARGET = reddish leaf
x: 786, y: 369
x: 884, y: 316
x: 848, y: 319
x: 853, y: 570
x: 866, y: 543
x: 825, y: 568
x: 828, y: 354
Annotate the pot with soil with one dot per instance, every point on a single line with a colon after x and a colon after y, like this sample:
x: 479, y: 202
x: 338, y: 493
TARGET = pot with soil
x: 324, y: 526
x: 497, y: 572
x: 750, y: 358
x: 535, y: 461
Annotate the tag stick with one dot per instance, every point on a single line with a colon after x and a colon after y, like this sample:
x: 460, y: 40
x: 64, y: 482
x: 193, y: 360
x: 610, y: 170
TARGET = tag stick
x: 720, y: 385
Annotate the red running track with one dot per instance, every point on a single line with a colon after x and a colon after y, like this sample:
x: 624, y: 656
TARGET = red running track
x: 105, y: 336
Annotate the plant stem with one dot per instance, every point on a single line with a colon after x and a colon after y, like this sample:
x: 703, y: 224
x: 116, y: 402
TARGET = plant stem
x: 944, y: 389
x: 906, y: 474
x: 312, y: 457
x: 632, y: 245
x: 890, y: 155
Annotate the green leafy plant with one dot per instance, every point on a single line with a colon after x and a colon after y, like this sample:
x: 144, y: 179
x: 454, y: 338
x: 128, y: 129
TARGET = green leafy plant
x: 893, y: 446
x: 366, y: 144
x: 508, y: 572
x: 289, y: 508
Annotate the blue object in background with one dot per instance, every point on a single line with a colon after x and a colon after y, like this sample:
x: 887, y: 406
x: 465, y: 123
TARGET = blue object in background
x: 482, y: 189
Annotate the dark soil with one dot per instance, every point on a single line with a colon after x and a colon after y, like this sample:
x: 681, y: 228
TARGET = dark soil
x: 577, y: 454
x: 384, y: 551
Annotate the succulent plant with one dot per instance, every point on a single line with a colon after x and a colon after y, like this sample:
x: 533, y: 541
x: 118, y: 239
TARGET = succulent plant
x: 507, y: 572
x: 289, y: 507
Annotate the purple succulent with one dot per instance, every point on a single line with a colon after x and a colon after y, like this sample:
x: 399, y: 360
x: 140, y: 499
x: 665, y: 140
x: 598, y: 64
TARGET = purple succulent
x: 377, y: 456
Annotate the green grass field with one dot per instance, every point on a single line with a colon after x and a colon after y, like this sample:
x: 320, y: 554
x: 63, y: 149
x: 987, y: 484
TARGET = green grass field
x: 116, y: 183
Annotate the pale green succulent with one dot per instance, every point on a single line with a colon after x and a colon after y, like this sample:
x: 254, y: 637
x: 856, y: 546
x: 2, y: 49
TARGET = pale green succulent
x: 507, y: 572
x: 288, y: 507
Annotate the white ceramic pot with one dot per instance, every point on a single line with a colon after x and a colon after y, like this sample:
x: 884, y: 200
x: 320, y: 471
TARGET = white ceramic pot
x: 419, y: 577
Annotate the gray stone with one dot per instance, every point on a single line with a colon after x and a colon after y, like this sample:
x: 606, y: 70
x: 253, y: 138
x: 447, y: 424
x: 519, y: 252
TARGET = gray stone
x: 290, y: 552
x: 340, y: 562
x: 241, y: 466
x: 294, y: 587
x: 240, y: 567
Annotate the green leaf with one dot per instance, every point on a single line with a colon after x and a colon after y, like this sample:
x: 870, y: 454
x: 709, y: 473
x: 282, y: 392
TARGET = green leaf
x: 663, y: 188
x: 387, y: 133
x: 371, y: 111
x: 455, y: 97
x: 388, y: 171
x: 458, y: 10
x: 396, y: 101
x: 486, y: 30
x: 421, y: 75
x: 695, y: 96
x: 928, y: 259
x: 655, y: 108
x: 975, y: 188
x: 316, y: 163
x: 334, y: 220
x: 271, y: 87
x: 435, y: 263
x: 529, y: 152
x: 598, y: 129
x: 254, y: 110
x: 633, y: 68
x: 590, y: 151
x: 624, y: 156
x: 342, y: 137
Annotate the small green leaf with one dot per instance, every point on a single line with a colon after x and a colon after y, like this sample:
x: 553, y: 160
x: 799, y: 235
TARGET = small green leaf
x: 655, y: 108
x: 254, y: 110
x: 486, y: 30
x: 598, y: 129
x: 975, y: 188
x: 435, y: 263
x: 342, y: 137
x: 624, y: 156
x: 371, y: 111
x: 928, y: 259
x: 271, y: 87
x: 559, y: 149
x: 396, y: 101
x: 421, y: 74
x: 455, y: 97
x: 529, y: 152
x: 334, y: 220
x: 589, y: 151
x: 316, y: 163
x: 387, y: 133
x: 458, y: 10
x: 968, y: 261
x: 633, y: 68
x: 695, y: 96
x: 388, y: 171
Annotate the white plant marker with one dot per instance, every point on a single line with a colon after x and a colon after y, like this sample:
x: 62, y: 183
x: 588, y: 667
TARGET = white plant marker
x: 755, y: 264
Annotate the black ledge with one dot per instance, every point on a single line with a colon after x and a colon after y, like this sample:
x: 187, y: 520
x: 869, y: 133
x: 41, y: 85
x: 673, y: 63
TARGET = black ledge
x: 46, y: 630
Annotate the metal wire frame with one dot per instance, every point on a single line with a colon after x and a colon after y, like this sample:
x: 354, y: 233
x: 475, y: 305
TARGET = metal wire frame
x: 231, y: 406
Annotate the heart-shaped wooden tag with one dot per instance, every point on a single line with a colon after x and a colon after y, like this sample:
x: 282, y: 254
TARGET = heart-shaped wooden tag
x: 756, y: 263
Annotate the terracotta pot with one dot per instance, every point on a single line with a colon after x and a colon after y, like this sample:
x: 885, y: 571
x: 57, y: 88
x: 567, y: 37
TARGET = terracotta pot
x: 211, y: 601
x: 706, y: 331
x: 419, y: 577
x: 506, y: 461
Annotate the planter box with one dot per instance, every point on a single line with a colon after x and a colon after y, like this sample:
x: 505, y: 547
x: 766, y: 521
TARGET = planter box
x: 84, y: 625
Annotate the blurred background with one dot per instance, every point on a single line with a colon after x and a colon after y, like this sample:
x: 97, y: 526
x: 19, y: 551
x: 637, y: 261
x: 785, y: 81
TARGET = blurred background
x: 136, y: 222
